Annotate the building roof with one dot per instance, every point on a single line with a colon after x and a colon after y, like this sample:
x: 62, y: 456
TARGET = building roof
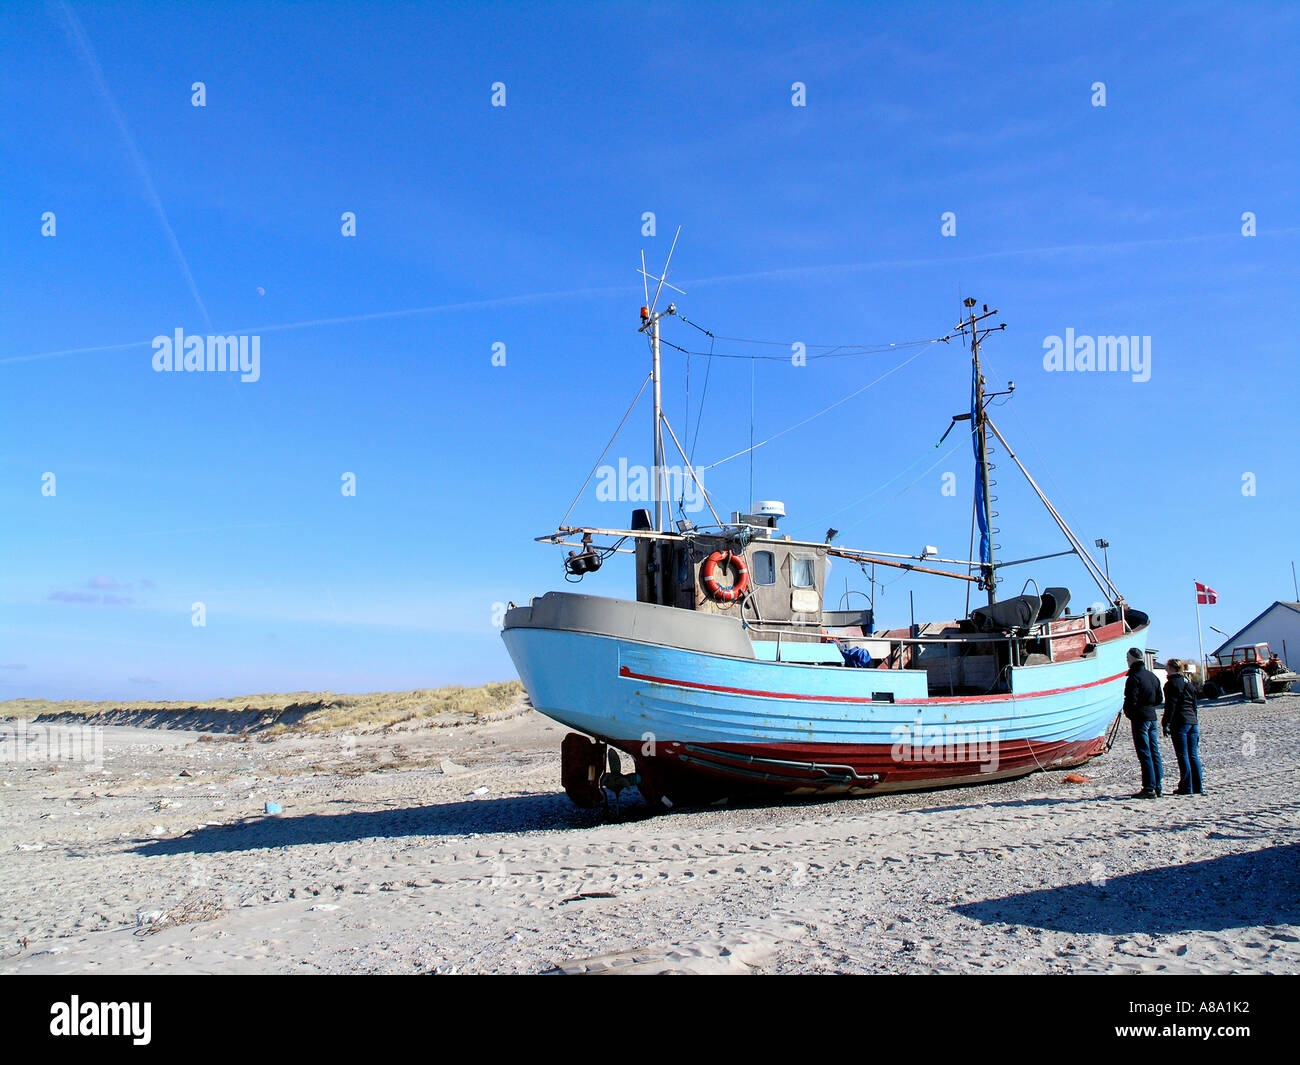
x: 1231, y: 641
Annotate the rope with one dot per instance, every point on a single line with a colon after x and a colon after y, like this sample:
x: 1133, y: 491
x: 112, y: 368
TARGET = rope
x: 1114, y: 732
x: 1015, y: 705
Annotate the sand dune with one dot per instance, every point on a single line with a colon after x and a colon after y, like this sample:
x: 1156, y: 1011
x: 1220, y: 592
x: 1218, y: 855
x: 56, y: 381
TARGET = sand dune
x: 313, y: 711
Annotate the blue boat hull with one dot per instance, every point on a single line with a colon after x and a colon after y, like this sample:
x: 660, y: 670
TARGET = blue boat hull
x: 717, y: 723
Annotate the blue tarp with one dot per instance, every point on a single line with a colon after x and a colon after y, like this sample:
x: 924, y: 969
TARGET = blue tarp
x: 857, y: 657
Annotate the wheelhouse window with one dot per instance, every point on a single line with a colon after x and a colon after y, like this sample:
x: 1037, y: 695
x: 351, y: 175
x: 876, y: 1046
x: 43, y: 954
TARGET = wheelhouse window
x: 764, y: 567
x: 803, y: 571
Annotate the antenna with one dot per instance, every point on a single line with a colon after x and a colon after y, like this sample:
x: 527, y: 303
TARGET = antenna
x: 650, y: 321
x: 979, y: 426
x: 663, y: 278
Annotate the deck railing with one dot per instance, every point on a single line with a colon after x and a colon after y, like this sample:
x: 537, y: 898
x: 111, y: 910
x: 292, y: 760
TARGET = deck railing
x: 897, y: 643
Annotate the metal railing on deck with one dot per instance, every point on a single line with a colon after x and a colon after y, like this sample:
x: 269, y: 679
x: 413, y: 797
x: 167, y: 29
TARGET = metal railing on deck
x: 897, y: 643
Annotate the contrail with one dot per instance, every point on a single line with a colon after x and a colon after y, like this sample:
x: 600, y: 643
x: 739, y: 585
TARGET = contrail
x: 578, y: 293
x: 76, y: 351
x: 900, y: 264
x: 180, y: 532
x: 468, y: 305
x: 78, y: 34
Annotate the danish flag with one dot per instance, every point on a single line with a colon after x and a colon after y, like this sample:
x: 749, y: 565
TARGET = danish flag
x: 1206, y: 595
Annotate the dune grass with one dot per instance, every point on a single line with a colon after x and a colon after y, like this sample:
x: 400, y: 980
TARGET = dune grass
x: 308, y: 711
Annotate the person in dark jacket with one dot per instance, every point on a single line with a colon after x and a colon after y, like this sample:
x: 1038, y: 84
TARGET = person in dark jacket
x: 1179, y: 722
x: 1142, y: 698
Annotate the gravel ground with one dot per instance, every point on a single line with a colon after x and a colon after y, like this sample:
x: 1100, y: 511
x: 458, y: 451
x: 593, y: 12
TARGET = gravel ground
x: 452, y: 849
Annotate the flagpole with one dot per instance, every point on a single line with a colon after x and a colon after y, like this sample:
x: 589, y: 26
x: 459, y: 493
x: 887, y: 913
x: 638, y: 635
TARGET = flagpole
x: 1200, y: 641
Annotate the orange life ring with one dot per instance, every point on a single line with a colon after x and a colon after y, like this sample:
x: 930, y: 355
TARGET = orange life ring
x: 708, y: 576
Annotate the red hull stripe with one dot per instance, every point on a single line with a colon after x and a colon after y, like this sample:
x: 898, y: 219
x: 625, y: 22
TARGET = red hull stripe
x: 877, y: 760
x: 624, y: 671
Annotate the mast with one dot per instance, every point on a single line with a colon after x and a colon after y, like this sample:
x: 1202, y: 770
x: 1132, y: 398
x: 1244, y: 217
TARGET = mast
x: 987, y: 568
x: 650, y: 320
x: 656, y: 468
x: 982, y: 424
x: 983, y: 504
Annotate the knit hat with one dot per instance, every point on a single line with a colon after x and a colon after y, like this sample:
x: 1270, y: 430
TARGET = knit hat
x: 1135, y: 654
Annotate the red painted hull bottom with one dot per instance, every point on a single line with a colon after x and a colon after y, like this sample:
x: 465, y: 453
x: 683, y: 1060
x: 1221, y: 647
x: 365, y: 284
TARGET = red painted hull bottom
x: 691, y: 772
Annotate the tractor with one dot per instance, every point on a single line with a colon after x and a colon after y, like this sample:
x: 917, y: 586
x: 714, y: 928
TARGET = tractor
x: 1223, y: 676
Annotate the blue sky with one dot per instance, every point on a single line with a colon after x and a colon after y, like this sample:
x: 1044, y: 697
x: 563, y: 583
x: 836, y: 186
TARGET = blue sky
x: 522, y: 225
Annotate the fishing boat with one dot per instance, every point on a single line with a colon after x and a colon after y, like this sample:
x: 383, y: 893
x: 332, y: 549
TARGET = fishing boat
x: 728, y: 675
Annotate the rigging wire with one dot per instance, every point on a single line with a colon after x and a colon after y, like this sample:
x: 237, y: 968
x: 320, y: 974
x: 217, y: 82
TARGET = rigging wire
x: 835, y: 352
x: 750, y: 503
x: 605, y: 451
x: 704, y: 395
x: 906, y: 488
x: 1042, y: 465
x: 812, y: 417
x: 694, y: 325
x: 686, y: 420
x: 1038, y: 456
x: 857, y: 348
x: 881, y: 487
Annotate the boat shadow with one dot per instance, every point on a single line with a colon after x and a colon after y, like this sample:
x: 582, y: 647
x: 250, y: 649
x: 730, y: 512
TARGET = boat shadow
x: 1246, y: 890
x: 509, y: 814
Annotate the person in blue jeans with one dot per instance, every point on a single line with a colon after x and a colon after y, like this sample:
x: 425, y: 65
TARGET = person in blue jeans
x: 1142, y: 698
x: 1180, y: 724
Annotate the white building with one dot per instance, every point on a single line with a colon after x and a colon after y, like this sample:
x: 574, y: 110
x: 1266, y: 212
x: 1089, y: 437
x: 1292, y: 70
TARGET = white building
x: 1279, y: 627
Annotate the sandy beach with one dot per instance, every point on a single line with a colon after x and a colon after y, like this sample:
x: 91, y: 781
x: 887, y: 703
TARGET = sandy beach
x: 445, y: 845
